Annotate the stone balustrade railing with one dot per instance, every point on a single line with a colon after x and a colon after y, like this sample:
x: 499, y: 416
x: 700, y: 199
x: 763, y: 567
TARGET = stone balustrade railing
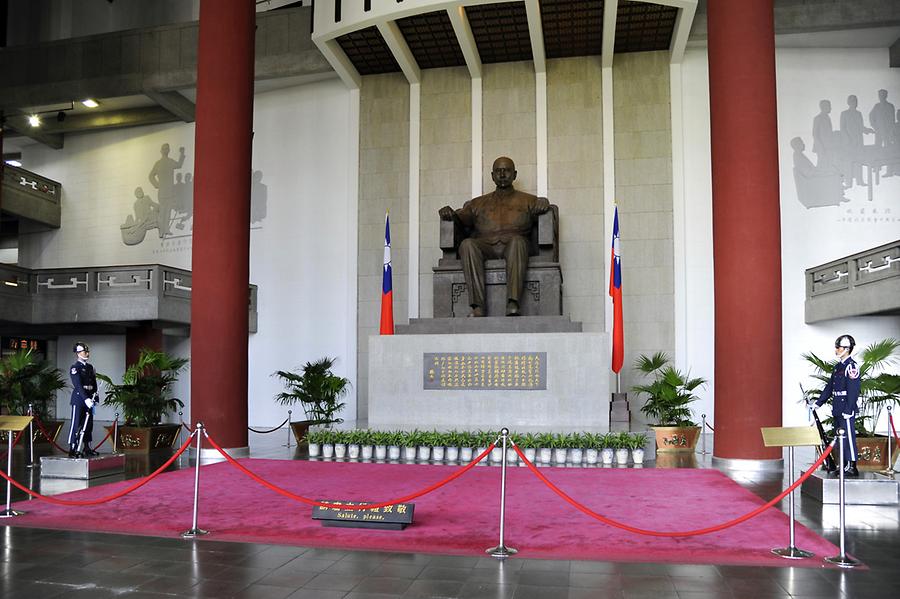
x: 29, y: 195
x: 110, y: 294
x: 864, y: 283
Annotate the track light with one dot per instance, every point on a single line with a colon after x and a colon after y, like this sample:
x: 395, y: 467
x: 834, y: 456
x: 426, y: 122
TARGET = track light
x: 89, y: 103
x: 34, y: 120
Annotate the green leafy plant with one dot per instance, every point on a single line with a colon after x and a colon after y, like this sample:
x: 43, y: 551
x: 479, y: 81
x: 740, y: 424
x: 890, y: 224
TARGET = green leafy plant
x: 316, y: 437
x: 381, y: 438
x: 545, y: 440
x: 670, y: 392
x: 877, y: 387
x: 636, y: 441
x: 144, y: 395
x: 527, y: 441
x: 25, y: 380
x: 316, y: 388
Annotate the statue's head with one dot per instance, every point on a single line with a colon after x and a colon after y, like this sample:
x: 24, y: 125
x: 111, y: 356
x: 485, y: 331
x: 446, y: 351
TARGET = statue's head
x: 798, y: 144
x: 882, y: 94
x: 825, y: 106
x: 138, y: 192
x: 503, y: 172
x: 852, y: 101
x: 164, y: 150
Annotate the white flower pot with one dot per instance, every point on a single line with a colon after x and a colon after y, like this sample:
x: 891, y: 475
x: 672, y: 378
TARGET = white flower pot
x: 381, y: 452
x: 340, y: 450
x: 606, y: 455
x: 424, y: 452
x: 591, y: 456
x: 314, y: 450
x: 465, y: 454
x: 511, y: 456
x: 545, y: 455
x: 559, y: 455
x: 529, y: 453
x: 621, y: 457
x: 576, y: 454
x: 394, y: 452
x: 437, y: 454
x: 452, y: 454
x: 327, y: 450
x: 409, y: 454
x: 353, y: 451
x: 366, y: 452
x: 638, y: 456
x: 497, y: 455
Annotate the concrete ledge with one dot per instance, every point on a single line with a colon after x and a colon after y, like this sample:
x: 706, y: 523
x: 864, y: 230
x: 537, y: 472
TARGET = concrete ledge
x: 488, y: 325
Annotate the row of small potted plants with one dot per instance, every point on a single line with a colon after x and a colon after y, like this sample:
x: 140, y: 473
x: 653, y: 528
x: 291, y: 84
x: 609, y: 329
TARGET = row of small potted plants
x: 462, y: 446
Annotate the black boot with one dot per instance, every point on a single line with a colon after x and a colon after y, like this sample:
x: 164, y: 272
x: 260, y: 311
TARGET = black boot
x: 90, y: 452
x: 850, y: 470
x: 74, y: 453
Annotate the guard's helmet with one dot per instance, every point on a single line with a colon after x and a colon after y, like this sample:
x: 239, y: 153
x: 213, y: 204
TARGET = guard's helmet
x: 846, y: 341
x: 80, y: 347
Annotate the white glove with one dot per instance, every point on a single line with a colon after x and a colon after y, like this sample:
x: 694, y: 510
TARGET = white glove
x: 89, y: 402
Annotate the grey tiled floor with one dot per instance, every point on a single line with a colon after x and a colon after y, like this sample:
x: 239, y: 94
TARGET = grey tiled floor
x: 51, y: 563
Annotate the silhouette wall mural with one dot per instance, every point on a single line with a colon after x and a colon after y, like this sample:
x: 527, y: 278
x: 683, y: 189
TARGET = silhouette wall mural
x: 854, y: 155
x: 171, y: 214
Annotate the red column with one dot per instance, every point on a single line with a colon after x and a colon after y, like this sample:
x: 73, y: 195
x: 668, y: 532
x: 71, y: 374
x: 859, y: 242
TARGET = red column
x: 746, y: 226
x: 140, y: 337
x: 221, y: 246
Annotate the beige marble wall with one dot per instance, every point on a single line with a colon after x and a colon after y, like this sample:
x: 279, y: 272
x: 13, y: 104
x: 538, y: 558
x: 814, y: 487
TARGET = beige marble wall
x: 508, y: 121
x: 445, y: 163
x: 643, y: 150
x: 383, y: 185
x: 575, y: 184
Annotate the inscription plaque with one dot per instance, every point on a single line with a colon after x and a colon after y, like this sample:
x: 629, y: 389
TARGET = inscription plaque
x: 487, y: 371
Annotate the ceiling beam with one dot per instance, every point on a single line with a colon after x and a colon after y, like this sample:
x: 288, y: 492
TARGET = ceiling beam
x: 175, y: 103
x: 466, y: 40
x: 338, y: 60
x: 20, y: 125
x: 683, y: 23
x: 536, y: 32
x: 610, y: 14
x: 400, y: 49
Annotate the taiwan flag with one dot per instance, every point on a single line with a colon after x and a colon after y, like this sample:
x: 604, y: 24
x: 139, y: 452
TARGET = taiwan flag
x: 387, y: 294
x: 615, y: 292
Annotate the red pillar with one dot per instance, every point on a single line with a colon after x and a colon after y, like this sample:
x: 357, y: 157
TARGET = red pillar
x: 746, y: 226
x: 221, y: 246
x: 140, y: 337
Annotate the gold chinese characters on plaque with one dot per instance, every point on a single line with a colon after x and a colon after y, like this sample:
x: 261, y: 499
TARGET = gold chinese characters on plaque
x: 491, y: 371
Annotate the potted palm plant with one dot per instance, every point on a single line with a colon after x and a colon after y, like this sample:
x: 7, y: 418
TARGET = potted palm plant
x: 878, y: 389
x: 144, y: 397
x: 545, y: 447
x: 608, y: 444
x: 669, y: 396
x: 636, y: 443
x: 318, y: 390
x: 528, y: 442
x: 25, y: 380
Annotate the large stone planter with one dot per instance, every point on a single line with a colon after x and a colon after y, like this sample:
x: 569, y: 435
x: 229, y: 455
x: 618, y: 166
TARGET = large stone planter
x: 871, y: 453
x: 144, y: 439
x: 675, y: 439
x: 300, y: 428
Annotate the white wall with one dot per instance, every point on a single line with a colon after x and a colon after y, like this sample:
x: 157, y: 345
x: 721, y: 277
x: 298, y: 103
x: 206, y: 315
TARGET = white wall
x: 809, y: 237
x: 299, y: 253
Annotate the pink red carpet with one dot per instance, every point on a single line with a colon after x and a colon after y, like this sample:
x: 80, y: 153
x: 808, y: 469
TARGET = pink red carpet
x: 461, y: 518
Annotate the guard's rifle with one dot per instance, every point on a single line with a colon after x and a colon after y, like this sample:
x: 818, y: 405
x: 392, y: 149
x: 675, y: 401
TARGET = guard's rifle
x: 829, y: 464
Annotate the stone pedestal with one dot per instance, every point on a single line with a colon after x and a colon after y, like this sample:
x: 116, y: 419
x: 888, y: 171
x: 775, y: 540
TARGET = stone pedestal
x: 575, y: 397
x: 870, y: 488
x: 619, y: 414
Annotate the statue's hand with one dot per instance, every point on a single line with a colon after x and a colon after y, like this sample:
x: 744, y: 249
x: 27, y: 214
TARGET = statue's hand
x: 446, y: 213
x: 181, y: 150
x: 542, y: 205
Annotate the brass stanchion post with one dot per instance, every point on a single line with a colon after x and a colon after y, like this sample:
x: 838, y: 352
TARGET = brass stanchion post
x: 195, y: 531
x: 9, y: 512
x: 288, y: 444
x: 889, y: 471
x: 31, y: 464
x: 501, y: 551
x: 843, y: 560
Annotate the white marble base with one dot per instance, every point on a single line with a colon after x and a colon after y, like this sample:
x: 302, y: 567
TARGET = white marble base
x: 576, y: 397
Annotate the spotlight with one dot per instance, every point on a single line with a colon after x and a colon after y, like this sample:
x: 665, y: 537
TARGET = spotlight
x: 34, y: 120
x: 60, y: 116
x: 14, y: 163
x: 89, y: 103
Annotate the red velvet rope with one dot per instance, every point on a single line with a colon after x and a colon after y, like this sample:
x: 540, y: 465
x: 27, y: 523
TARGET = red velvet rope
x: 891, y: 419
x: 47, y: 435
x: 687, y: 533
x: 108, y: 434
x: 368, y: 506
x: 277, y: 428
x: 108, y: 498
x: 15, y: 442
